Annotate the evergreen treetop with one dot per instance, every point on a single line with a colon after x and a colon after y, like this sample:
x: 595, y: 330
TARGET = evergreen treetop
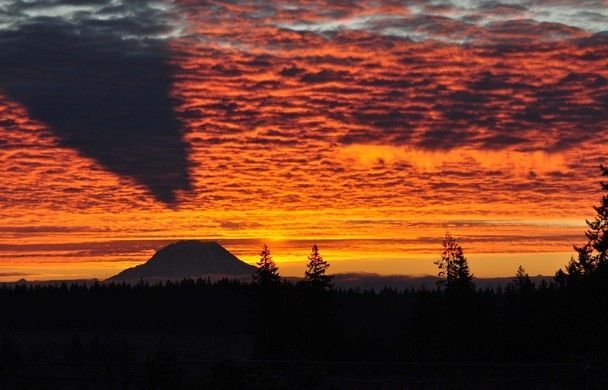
x: 453, y: 267
x: 594, y: 254
x: 267, y: 272
x: 315, y: 274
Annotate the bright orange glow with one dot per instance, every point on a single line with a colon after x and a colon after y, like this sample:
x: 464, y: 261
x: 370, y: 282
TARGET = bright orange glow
x: 370, y: 144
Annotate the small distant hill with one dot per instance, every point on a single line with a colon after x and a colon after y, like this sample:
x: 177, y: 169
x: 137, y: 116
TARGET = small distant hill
x: 187, y: 259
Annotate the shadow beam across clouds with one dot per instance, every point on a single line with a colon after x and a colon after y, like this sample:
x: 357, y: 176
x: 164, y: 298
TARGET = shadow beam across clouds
x: 97, y: 76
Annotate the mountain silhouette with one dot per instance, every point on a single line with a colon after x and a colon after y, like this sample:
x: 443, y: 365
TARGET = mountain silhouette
x: 187, y: 259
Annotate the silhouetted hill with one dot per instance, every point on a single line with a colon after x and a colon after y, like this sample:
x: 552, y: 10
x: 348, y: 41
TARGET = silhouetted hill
x: 187, y: 259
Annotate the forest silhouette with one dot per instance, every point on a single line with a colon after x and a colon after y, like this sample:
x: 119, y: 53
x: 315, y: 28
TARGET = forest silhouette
x: 274, y: 333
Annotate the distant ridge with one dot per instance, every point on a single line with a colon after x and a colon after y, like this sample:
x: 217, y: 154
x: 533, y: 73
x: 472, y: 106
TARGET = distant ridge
x: 363, y: 280
x: 187, y: 259
x: 377, y: 282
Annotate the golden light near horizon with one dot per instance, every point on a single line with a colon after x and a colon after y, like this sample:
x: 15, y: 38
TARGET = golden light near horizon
x: 368, y: 128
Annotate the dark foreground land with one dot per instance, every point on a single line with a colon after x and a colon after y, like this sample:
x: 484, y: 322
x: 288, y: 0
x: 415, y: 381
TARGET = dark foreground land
x: 227, y: 374
x: 229, y: 334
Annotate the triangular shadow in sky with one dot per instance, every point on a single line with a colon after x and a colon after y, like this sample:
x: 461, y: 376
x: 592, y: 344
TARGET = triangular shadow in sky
x: 103, y: 95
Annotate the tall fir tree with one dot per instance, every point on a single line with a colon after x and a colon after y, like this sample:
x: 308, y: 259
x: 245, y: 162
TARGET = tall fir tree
x: 594, y: 254
x: 454, y: 272
x: 269, y: 335
x: 597, y: 234
x: 267, y: 272
x: 315, y: 274
x: 317, y: 328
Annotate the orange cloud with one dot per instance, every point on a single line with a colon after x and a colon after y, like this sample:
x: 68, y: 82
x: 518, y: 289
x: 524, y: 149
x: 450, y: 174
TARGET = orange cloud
x: 517, y: 162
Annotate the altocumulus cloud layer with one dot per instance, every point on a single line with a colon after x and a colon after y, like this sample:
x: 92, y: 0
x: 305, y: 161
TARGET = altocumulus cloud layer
x: 245, y: 111
x: 122, y: 81
x: 98, y: 74
x: 432, y: 75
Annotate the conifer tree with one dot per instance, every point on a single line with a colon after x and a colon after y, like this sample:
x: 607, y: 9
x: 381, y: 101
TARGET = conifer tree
x: 523, y: 283
x: 597, y: 234
x: 315, y: 274
x: 267, y: 273
x: 594, y: 254
x: 269, y: 325
x: 453, y: 267
x: 317, y: 327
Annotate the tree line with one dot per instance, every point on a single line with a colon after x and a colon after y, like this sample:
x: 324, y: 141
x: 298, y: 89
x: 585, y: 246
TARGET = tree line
x: 559, y: 320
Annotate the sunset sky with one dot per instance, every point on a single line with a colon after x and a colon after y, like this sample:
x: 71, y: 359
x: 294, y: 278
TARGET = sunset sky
x: 367, y: 127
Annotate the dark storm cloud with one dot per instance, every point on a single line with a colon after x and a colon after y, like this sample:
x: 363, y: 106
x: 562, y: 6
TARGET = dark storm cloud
x: 97, y: 75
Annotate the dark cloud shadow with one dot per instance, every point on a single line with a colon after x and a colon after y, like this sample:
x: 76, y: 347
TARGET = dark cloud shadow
x: 102, y: 86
